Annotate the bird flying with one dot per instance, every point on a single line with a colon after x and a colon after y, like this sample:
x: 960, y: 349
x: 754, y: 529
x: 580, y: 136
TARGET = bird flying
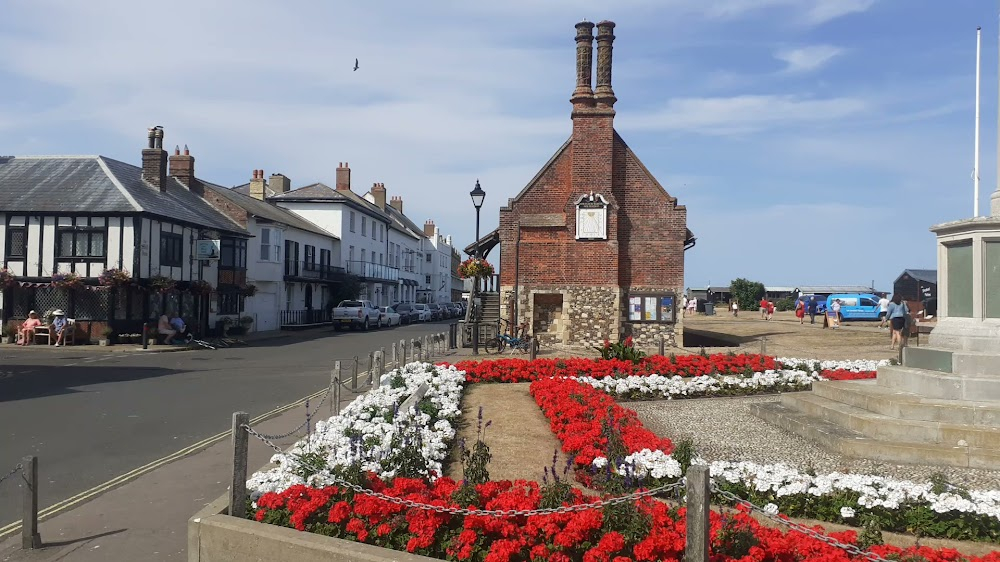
x: 355, y: 64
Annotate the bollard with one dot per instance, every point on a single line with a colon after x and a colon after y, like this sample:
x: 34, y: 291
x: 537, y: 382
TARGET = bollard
x: 395, y: 356
x: 381, y: 363
x: 662, y: 346
x: 475, y: 338
x: 532, y: 348
x: 145, y: 337
x: 308, y: 426
x: 698, y: 501
x: 452, y: 335
x: 30, y: 539
x: 354, y: 375
x: 238, y: 486
x: 334, y: 387
x: 402, y: 353
x: 371, y: 366
x: 763, y: 345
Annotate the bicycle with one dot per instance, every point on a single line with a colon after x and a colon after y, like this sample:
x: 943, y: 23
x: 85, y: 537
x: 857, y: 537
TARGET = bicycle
x: 516, y: 343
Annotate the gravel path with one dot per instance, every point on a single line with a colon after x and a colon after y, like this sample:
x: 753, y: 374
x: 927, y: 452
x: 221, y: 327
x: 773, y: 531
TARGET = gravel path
x: 724, y: 429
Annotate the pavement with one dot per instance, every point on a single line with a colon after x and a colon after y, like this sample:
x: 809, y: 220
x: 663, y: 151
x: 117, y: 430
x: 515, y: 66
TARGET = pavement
x: 131, y: 445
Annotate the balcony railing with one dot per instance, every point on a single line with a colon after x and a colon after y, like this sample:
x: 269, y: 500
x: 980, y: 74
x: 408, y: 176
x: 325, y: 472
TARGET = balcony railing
x: 304, y: 317
x: 373, y: 271
x: 302, y: 269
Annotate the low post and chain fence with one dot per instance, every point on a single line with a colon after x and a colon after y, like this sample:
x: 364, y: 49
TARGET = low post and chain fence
x: 27, y: 469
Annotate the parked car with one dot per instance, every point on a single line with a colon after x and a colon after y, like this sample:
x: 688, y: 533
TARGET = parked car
x: 389, y: 316
x: 453, y: 311
x: 356, y: 314
x: 424, y: 313
x: 407, y: 313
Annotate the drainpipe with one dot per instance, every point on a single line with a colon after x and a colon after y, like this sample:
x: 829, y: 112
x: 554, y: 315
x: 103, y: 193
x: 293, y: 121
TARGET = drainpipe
x: 517, y: 270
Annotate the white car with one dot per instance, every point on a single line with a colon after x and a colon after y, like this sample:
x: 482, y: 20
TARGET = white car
x: 425, y: 313
x: 389, y: 316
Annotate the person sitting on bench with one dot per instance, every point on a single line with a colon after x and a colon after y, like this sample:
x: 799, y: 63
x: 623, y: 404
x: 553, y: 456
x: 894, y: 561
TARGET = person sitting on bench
x: 164, y: 328
x: 59, y: 325
x: 28, y: 328
x: 177, y: 323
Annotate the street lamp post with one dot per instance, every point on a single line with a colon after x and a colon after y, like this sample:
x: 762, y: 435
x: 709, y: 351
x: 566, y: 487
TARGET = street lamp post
x: 478, y: 196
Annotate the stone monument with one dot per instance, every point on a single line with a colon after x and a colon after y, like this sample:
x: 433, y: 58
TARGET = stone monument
x: 942, y: 405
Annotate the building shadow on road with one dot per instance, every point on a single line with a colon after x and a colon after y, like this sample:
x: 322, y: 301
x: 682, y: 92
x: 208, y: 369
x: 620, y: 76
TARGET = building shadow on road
x: 32, y: 381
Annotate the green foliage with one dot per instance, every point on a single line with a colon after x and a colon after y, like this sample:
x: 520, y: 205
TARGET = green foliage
x: 347, y: 290
x: 734, y: 539
x: 747, y: 293
x: 684, y: 453
x: 629, y: 520
x: 871, y: 533
x: 310, y: 463
x: 785, y: 304
x: 624, y: 350
x: 475, y: 460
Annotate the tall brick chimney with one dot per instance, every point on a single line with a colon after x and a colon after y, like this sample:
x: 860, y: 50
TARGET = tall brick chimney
x: 154, y: 160
x: 378, y: 191
x: 396, y: 203
x: 257, y: 186
x: 429, y: 228
x: 583, y: 95
x: 182, y: 170
x: 344, y: 177
x: 603, y: 94
x: 279, y: 183
x: 592, y: 143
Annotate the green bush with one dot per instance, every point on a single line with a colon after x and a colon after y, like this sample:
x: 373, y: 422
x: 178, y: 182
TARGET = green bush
x: 747, y: 293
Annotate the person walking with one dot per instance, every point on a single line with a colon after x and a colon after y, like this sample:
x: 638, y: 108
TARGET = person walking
x: 883, y: 312
x: 834, y: 314
x: 763, y: 308
x: 735, y: 305
x: 770, y: 310
x: 800, y: 311
x: 898, y: 312
x: 812, y: 307
x: 684, y: 306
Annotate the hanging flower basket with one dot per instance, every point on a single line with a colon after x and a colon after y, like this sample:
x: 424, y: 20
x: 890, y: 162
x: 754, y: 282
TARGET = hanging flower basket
x: 67, y: 281
x: 114, y: 277
x: 7, y: 278
x: 474, y: 268
x: 161, y: 284
x: 248, y: 290
x: 200, y: 287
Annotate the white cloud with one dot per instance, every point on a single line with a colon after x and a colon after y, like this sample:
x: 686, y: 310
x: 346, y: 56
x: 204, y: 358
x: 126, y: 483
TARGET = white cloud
x: 808, y: 12
x: 807, y: 59
x: 822, y: 11
x: 744, y: 114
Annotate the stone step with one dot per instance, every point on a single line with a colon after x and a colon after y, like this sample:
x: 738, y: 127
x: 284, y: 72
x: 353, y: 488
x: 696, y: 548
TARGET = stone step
x: 959, y: 362
x: 868, y: 395
x: 886, y: 428
x: 850, y: 443
x: 939, y: 385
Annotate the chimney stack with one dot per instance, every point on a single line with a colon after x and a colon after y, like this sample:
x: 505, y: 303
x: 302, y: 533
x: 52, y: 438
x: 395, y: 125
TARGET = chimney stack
x: 603, y: 94
x: 182, y: 170
x: 344, y: 177
x: 378, y: 190
x: 583, y: 95
x: 429, y: 228
x: 396, y: 203
x: 257, y: 186
x: 279, y: 184
x: 154, y: 160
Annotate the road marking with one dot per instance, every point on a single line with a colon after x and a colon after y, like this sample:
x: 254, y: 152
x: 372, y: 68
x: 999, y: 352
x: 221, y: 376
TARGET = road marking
x: 66, y: 504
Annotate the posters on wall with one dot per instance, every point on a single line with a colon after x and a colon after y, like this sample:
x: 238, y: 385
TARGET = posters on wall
x: 666, y: 309
x: 650, y: 312
x: 635, y: 308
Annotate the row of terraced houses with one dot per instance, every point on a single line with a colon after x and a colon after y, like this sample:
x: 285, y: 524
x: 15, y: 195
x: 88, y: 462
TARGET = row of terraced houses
x: 280, y: 256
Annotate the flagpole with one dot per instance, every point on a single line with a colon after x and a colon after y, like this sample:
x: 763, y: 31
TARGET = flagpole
x: 975, y: 168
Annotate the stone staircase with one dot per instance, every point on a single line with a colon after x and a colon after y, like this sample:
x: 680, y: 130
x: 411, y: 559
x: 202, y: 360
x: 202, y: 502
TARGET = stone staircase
x: 941, y: 407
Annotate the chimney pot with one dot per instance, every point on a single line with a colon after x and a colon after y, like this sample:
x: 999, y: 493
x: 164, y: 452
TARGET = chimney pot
x: 583, y: 94
x: 177, y: 150
x: 258, y: 188
x: 154, y: 161
x: 397, y: 203
x: 182, y: 170
x: 344, y: 177
x: 604, y: 94
x: 186, y: 152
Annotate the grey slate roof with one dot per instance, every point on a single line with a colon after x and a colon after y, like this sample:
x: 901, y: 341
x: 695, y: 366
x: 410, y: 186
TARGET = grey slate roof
x: 267, y: 211
x: 321, y: 192
x: 925, y: 275
x: 98, y: 184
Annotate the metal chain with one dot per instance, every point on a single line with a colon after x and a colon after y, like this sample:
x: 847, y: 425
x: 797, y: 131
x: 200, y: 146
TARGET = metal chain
x: 852, y: 549
x: 496, y: 513
x: 308, y: 419
x: 16, y: 469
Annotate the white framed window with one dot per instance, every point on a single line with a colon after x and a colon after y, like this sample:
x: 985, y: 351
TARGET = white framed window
x: 270, y: 244
x: 364, y: 225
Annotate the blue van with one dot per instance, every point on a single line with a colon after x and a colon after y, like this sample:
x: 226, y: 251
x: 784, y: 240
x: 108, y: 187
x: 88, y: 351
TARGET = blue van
x: 856, y: 306
x: 820, y: 303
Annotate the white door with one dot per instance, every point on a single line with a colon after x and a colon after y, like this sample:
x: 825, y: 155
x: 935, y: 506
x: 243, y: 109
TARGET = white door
x: 267, y: 311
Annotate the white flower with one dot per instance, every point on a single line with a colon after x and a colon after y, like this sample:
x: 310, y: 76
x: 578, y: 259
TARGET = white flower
x: 600, y: 462
x: 846, y: 512
x: 771, y: 509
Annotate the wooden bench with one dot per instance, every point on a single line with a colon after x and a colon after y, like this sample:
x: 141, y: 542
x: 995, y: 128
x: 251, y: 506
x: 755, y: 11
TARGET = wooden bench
x: 47, y: 333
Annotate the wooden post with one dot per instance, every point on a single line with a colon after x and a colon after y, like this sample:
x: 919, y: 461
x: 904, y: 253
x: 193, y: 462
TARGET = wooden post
x: 371, y: 366
x: 763, y: 345
x: 381, y: 363
x: 30, y: 538
x: 698, y: 501
x: 402, y: 353
x: 354, y: 375
x: 395, y: 355
x: 662, y: 346
x: 426, y: 348
x: 238, y: 487
x: 532, y: 349
x: 335, y: 389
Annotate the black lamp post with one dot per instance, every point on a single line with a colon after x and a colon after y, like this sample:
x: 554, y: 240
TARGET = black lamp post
x: 478, y: 196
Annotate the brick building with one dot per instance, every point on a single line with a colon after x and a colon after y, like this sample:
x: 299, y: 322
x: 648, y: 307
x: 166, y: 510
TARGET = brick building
x: 593, y: 247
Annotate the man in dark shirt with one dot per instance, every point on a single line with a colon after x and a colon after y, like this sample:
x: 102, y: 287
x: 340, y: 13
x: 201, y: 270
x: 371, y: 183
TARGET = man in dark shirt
x: 811, y: 307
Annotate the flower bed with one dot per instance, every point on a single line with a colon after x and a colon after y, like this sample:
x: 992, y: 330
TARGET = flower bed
x: 372, y: 435
x: 578, y: 412
x: 644, y: 530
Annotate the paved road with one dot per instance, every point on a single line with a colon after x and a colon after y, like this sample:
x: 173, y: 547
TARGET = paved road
x: 90, y: 417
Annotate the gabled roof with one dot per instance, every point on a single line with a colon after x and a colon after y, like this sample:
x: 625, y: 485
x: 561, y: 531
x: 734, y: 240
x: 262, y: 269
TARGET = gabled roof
x: 925, y: 275
x: 404, y: 223
x: 319, y: 192
x: 98, y: 184
x: 267, y: 211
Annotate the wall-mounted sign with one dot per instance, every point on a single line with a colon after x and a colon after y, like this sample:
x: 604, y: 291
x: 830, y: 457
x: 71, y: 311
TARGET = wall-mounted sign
x: 592, y: 217
x: 206, y: 250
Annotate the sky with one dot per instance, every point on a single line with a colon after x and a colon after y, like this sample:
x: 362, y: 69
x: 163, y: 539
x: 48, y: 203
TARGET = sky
x: 812, y: 141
